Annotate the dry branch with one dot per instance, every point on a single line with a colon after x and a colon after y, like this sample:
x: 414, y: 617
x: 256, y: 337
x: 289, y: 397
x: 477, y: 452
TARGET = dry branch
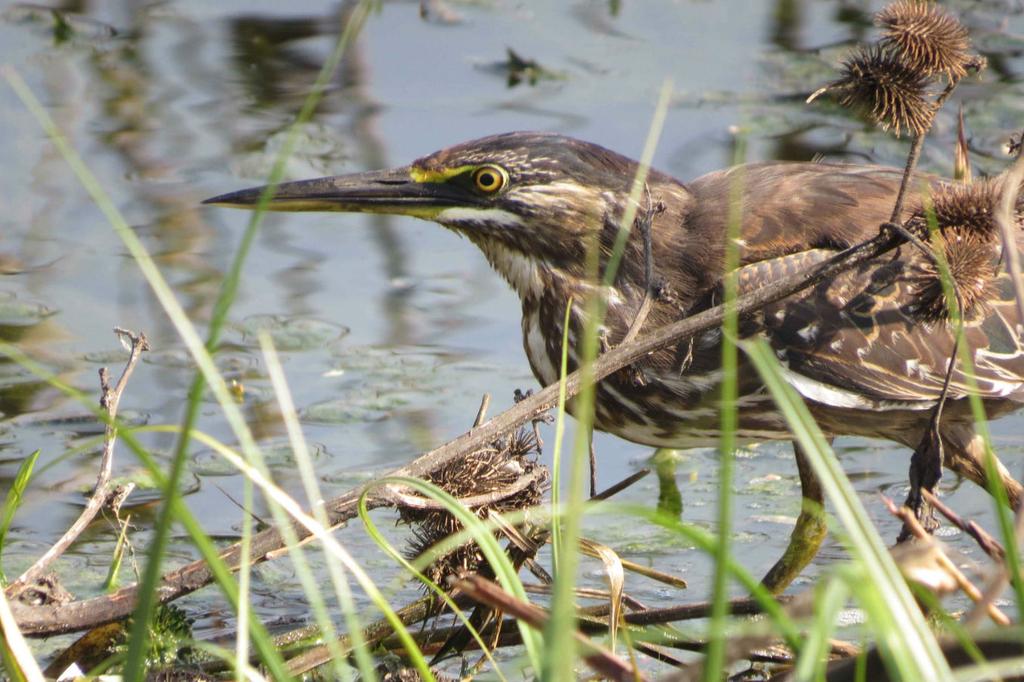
x: 109, y: 400
x: 943, y: 562
x: 491, y: 594
x: 988, y: 544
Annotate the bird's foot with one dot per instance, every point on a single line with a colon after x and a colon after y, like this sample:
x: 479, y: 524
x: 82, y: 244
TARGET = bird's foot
x: 925, y: 515
x: 520, y: 395
x: 925, y: 473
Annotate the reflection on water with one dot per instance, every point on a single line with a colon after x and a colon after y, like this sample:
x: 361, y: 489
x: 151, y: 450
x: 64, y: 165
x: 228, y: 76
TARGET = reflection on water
x: 390, y: 329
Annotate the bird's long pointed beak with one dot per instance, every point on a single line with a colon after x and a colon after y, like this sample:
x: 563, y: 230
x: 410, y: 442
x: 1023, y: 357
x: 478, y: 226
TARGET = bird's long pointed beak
x: 392, y: 191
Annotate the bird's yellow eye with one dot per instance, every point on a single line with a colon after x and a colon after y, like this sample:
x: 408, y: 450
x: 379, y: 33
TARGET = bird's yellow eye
x: 489, y: 179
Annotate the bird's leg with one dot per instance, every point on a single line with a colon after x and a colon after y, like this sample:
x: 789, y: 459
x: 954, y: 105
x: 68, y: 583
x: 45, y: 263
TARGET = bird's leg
x: 809, y: 532
x: 925, y: 472
x: 926, y: 463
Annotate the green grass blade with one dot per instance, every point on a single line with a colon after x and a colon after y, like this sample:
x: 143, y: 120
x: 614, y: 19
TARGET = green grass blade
x: 16, y: 654
x: 280, y: 502
x: 244, y: 579
x: 415, y: 568
x: 504, y: 571
x: 218, y: 317
x: 560, y: 655
x: 1001, y: 502
x: 708, y: 543
x: 908, y: 646
x: 114, y: 572
x: 342, y: 589
x: 556, y: 457
x: 718, y: 637
x: 219, y: 570
x: 639, y: 182
x: 145, y: 605
x: 13, y: 501
x: 829, y: 599
x: 952, y: 625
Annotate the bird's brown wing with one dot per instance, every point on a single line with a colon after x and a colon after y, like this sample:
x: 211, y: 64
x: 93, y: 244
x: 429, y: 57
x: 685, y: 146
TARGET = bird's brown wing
x: 858, y: 341
x: 792, y: 207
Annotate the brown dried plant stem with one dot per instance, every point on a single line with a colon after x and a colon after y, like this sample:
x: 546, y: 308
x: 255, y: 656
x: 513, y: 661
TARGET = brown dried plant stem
x: 90, y: 612
x: 642, y: 223
x: 988, y: 544
x: 1007, y: 228
x: 908, y: 172
x: 491, y: 594
x: 109, y: 400
x: 915, y: 154
x: 481, y: 413
x: 592, y: 621
x: 311, y: 656
x: 620, y: 486
x: 909, y: 519
x: 374, y: 633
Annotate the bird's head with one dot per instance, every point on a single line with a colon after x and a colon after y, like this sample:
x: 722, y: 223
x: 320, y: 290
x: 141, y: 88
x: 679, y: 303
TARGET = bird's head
x: 521, y: 197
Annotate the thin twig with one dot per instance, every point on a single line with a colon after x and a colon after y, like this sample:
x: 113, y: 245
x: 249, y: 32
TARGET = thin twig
x: 593, y: 467
x: 915, y: 154
x: 585, y: 593
x: 620, y: 486
x: 481, y: 414
x: 109, y: 400
x: 988, y: 544
x: 910, y: 521
x: 741, y: 606
x: 932, y: 431
x: 491, y: 594
x: 321, y: 653
x: 908, y: 173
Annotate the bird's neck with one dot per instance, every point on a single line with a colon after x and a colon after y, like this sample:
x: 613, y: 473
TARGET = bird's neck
x: 539, y: 268
x: 526, y: 274
x: 532, y: 278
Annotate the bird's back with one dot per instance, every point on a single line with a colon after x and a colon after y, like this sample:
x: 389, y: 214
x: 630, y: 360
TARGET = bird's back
x: 859, y: 346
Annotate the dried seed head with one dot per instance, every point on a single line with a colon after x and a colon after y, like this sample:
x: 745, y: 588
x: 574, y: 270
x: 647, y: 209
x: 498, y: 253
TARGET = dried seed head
x: 926, y: 38
x: 484, y: 471
x: 893, y: 95
x: 963, y: 208
x: 973, y: 261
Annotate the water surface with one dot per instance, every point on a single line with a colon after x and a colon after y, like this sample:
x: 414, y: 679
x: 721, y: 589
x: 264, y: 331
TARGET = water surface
x: 391, y: 328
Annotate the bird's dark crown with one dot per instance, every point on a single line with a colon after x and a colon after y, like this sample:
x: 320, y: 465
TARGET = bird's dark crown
x: 535, y: 157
